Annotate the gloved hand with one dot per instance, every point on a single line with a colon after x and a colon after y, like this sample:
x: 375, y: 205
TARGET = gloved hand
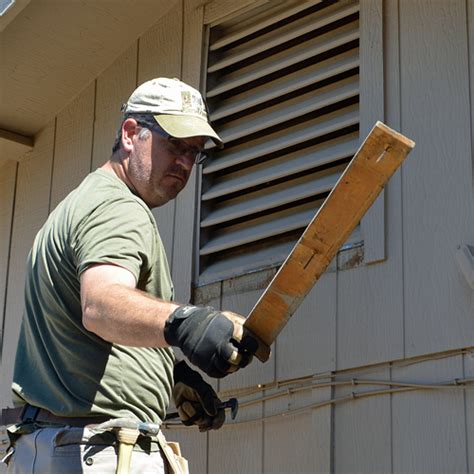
x: 213, y: 341
x: 196, y: 400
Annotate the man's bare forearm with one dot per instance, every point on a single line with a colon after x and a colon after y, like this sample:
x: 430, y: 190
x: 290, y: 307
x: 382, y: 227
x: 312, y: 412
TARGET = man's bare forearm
x: 127, y: 316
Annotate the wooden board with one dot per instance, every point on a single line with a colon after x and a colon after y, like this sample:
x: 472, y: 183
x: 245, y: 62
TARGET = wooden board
x: 378, y: 158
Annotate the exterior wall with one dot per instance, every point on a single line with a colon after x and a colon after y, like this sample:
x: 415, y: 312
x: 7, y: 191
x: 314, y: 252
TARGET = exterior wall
x: 407, y: 319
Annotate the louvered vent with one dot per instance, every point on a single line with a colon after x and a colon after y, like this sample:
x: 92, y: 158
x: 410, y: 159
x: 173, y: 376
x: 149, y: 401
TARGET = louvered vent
x: 283, y: 92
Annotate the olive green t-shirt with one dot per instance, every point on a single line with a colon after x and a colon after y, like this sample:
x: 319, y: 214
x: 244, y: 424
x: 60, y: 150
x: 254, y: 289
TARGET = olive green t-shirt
x: 60, y: 365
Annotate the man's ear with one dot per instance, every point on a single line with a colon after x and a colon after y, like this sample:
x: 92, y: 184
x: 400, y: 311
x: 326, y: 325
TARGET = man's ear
x: 129, y: 130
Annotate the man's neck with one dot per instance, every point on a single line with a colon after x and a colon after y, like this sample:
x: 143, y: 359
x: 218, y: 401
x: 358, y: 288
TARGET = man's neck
x: 115, y: 166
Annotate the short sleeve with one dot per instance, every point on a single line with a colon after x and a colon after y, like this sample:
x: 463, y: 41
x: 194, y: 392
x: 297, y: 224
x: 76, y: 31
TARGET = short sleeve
x: 118, y: 233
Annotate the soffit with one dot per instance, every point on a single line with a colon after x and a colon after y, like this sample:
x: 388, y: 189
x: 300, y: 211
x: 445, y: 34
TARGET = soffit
x: 53, y: 49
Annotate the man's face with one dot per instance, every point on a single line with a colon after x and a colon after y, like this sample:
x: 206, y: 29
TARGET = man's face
x: 158, y: 169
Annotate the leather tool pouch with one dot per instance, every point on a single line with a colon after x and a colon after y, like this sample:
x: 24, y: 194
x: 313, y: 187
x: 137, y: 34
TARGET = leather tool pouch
x: 176, y: 463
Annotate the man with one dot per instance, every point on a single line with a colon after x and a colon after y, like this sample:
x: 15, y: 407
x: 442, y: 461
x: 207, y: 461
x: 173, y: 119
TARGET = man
x: 100, y: 315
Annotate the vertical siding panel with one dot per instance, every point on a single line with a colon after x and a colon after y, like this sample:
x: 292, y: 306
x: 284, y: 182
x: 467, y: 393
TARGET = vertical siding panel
x: 370, y: 308
x: 114, y: 87
x: 428, y: 426
x: 73, y: 146
x: 470, y: 32
x: 193, y: 446
x: 290, y: 440
x: 240, y: 295
x: 468, y: 360
x: 323, y: 431
x: 183, y: 242
x: 362, y: 428
x: 7, y: 198
x: 161, y: 47
x: 298, y: 442
x: 307, y: 345
x: 371, y: 110
x: 370, y: 298
x: 160, y: 52
x: 437, y: 185
x: 237, y: 449
x: 8, y: 173
x: 31, y: 210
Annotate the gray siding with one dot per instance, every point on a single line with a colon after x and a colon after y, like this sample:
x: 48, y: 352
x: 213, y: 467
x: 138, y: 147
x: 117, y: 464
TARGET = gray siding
x: 390, y: 321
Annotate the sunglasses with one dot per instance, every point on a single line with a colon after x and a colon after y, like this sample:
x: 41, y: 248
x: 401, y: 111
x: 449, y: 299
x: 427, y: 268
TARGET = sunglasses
x: 177, y: 146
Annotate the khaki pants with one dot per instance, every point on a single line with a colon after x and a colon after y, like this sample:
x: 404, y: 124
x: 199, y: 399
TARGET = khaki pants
x: 79, y: 450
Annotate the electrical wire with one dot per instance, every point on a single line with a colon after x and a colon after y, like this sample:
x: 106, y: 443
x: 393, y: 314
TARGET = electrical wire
x: 328, y: 380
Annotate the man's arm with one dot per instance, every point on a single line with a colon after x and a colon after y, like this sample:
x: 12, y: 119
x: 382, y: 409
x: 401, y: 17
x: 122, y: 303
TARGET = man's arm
x: 116, y: 311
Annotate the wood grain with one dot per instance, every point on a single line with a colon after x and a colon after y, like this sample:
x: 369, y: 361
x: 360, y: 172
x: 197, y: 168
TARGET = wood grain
x: 378, y: 158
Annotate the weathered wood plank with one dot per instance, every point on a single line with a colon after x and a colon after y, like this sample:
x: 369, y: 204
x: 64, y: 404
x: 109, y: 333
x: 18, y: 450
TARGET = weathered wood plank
x: 437, y: 183
x: 374, y: 163
x: 73, y: 145
x: 362, y: 440
x: 31, y: 210
x: 428, y: 427
x: 114, y: 87
x: 160, y: 53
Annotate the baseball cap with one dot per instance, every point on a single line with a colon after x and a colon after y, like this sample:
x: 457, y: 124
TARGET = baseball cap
x: 179, y: 109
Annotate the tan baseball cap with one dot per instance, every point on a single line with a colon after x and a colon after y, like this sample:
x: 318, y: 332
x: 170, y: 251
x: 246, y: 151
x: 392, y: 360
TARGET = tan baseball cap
x: 179, y: 109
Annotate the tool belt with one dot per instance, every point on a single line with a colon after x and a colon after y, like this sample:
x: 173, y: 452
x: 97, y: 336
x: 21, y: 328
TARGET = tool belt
x: 28, y: 413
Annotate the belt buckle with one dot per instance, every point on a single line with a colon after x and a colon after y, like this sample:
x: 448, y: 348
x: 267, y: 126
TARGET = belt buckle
x: 29, y: 413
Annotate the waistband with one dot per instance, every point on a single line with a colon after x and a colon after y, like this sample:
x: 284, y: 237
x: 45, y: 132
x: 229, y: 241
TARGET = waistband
x: 11, y: 416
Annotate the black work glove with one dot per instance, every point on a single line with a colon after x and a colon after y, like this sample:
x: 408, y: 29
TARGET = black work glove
x: 196, y: 401
x: 213, y: 341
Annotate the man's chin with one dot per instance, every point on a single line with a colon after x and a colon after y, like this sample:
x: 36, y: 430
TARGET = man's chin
x: 161, y: 198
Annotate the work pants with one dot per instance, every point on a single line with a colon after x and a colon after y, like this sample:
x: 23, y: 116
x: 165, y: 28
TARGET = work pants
x: 69, y: 450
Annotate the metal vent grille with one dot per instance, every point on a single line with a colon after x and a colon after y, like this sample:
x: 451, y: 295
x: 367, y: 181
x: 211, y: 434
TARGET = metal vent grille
x: 282, y: 87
